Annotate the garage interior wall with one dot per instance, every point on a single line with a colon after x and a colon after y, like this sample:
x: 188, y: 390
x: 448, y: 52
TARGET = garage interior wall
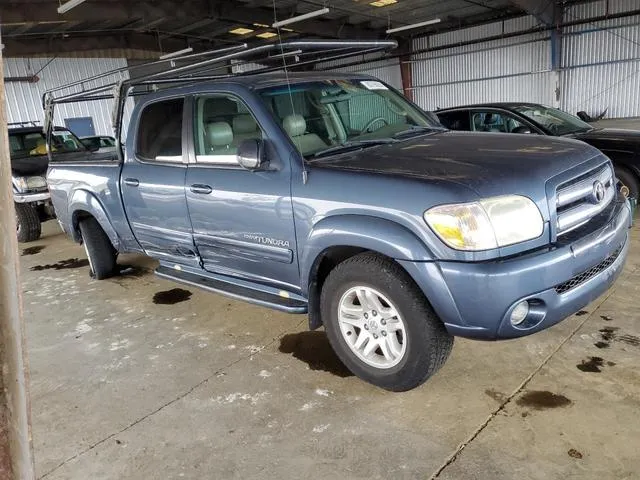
x: 24, y: 99
x: 599, y: 69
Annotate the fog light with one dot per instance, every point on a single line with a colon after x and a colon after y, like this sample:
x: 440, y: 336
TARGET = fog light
x: 519, y: 313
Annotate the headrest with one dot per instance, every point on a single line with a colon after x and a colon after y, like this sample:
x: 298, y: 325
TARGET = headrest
x: 220, y: 134
x: 244, y: 124
x: 489, y: 119
x: 294, y: 125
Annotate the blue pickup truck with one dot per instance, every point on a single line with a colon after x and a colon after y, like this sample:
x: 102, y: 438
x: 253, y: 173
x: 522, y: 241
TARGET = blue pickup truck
x: 331, y: 194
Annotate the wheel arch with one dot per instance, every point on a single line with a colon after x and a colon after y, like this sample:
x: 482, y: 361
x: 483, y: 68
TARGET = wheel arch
x: 335, y: 239
x: 84, y: 205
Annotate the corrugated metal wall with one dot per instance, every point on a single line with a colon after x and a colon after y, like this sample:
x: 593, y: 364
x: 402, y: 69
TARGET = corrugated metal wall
x: 24, y: 100
x: 601, y: 60
x: 508, y: 69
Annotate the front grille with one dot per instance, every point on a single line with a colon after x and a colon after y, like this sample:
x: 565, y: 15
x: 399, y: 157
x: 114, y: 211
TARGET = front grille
x: 577, y: 202
x: 588, y: 274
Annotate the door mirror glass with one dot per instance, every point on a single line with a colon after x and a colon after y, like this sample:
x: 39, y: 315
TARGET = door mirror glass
x: 521, y: 129
x: 251, y: 154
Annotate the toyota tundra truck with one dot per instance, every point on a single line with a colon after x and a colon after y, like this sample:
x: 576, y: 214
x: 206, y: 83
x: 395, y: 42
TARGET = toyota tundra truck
x: 332, y: 195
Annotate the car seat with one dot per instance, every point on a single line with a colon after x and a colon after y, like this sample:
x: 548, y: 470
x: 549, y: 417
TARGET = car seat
x: 296, y: 127
x: 244, y: 128
x: 220, y: 138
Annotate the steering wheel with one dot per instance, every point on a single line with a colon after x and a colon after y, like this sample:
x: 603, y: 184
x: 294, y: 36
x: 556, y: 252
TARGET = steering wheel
x: 554, y: 128
x: 372, y: 122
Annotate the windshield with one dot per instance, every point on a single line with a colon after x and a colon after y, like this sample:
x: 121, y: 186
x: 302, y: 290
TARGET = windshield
x: 33, y: 144
x: 554, y: 120
x: 327, y: 115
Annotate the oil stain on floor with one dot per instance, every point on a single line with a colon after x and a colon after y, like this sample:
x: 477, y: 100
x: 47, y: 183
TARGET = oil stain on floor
x: 592, y: 365
x: 542, y: 400
x: 171, y: 297
x: 314, y: 349
x: 32, y: 250
x: 62, y: 265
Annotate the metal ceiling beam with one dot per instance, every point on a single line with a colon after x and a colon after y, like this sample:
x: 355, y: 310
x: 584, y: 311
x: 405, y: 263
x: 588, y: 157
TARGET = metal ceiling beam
x: 544, y: 10
x: 188, y: 11
x: 15, y: 47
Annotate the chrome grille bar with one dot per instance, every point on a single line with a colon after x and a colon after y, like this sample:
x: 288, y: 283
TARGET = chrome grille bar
x: 577, y: 203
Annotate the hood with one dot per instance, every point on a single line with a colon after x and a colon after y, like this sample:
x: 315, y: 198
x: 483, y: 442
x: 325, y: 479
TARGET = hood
x: 612, y: 138
x: 489, y: 164
x: 30, y: 166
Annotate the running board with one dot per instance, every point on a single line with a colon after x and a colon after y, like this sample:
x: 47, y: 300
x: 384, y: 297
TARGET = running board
x: 238, y: 289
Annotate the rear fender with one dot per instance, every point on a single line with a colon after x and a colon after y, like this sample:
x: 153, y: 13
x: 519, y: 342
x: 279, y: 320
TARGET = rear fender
x: 83, y: 201
x: 369, y: 233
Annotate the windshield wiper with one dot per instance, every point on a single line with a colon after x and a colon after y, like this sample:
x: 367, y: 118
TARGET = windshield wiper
x: 352, y: 145
x: 417, y: 130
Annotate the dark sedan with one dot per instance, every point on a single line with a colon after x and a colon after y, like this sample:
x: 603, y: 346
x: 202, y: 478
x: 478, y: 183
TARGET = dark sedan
x: 621, y: 146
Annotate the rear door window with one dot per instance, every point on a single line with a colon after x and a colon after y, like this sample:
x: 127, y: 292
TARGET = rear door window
x: 159, y: 136
x: 458, y: 120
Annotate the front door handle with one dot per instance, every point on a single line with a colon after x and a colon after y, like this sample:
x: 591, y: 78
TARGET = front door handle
x: 132, y: 182
x: 201, y: 189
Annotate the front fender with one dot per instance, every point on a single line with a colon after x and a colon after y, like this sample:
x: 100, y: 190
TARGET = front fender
x: 370, y: 233
x: 83, y: 201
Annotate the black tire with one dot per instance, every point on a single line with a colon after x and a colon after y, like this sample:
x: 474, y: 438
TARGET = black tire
x: 27, y: 223
x: 629, y: 180
x: 100, y: 252
x: 428, y: 343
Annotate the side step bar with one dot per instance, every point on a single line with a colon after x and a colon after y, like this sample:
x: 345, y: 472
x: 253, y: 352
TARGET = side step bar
x: 238, y: 289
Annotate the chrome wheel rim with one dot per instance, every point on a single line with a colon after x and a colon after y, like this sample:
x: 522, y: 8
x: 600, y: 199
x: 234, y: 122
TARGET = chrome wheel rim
x: 372, y: 327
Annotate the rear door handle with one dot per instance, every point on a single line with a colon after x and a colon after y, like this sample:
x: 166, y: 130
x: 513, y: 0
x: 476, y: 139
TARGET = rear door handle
x: 201, y: 189
x: 132, y: 182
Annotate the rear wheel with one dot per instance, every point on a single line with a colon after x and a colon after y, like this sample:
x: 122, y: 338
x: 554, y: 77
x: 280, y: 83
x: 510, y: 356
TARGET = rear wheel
x: 380, y: 324
x: 100, y: 252
x: 628, y: 183
x: 28, y: 225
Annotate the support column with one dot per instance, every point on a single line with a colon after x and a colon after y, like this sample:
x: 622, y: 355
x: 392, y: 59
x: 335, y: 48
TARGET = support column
x: 406, y: 69
x: 16, y: 457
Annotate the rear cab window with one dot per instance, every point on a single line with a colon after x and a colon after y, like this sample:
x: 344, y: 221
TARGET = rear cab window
x: 159, y: 135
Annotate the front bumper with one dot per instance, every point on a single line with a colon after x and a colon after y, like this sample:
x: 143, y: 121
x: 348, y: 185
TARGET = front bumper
x: 31, y: 197
x: 475, y: 300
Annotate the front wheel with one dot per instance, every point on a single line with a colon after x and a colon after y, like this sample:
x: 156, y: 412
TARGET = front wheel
x: 28, y: 226
x: 380, y: 324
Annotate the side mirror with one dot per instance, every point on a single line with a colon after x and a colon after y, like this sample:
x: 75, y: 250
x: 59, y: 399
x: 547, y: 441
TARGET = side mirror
x: 251, y: 154
x: 521, y: 129
x: 93, y: 148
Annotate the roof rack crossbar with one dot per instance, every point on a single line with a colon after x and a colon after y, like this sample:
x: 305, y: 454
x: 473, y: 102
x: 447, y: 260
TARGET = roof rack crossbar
x: 132, y: 68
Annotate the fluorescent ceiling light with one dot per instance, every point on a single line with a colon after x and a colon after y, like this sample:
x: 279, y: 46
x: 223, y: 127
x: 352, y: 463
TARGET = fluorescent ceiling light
x: 179, y: 53
x: 261, y: 25
x: 241, y: 31
x: 267, y: 35
x: 414, y: 25
x: 299, y: 18
x: 66, y: 6
x: 383, y: 3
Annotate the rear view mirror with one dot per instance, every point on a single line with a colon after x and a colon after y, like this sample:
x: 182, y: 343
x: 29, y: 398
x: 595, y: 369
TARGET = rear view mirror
x: 251, y: 154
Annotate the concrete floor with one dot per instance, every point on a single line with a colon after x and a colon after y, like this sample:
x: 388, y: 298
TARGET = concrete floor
x: 123, y: 387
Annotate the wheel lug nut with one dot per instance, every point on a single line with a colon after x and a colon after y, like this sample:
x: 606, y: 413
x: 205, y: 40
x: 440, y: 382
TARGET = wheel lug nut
x: 366, y: 327
x: 383, y: 322
x: 384, y: 334
x: 374, y: 313
x: 366, y: 315
x: 375, y: 336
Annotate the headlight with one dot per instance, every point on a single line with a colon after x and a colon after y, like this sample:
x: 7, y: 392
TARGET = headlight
x: 30, y: 183
x: 486, y: 224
